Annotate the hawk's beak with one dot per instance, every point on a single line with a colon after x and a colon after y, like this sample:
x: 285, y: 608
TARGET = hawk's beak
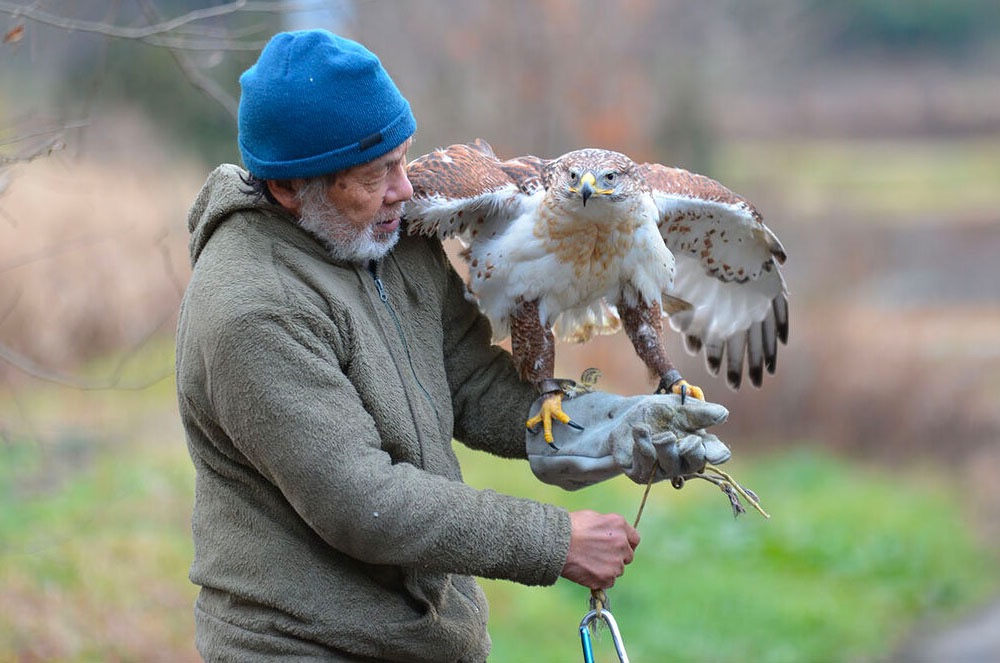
x: 587, y: 183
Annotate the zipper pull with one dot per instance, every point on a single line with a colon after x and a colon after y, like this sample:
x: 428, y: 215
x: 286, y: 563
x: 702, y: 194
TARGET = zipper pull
x: 373, y: 268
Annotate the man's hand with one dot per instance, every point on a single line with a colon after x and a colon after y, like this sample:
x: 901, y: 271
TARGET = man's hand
x: 600, y: 546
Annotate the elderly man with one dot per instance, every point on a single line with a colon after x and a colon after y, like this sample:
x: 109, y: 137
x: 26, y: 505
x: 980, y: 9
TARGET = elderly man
x: 325, y: 362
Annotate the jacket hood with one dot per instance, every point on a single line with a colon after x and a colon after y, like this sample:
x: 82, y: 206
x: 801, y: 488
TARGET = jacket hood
x: 223, y: 193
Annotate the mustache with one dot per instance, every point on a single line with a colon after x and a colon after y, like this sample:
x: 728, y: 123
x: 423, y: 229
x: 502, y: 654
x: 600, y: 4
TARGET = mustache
x: 389, y: 213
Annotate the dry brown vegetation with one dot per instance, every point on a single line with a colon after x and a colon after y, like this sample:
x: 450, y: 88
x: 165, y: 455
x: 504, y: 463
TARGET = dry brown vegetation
x: 93, y: 250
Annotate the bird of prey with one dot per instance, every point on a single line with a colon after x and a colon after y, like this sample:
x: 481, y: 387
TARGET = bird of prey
x: 591, y: 242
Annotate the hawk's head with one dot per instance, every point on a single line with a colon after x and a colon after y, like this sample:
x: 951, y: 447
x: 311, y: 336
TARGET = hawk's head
x: 592, y: 175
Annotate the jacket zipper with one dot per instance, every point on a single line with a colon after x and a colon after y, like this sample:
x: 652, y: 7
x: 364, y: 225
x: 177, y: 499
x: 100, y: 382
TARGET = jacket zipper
x: 383, y: 295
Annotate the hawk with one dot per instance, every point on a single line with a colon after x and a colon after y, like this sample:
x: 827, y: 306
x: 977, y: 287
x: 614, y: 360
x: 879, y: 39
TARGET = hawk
x: 591, y: 242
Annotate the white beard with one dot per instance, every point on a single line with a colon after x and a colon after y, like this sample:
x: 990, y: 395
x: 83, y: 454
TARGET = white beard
x: 320, y: 218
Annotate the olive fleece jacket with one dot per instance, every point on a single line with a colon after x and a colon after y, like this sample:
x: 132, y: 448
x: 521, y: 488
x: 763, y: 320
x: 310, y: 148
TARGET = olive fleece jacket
x: 319, y: 400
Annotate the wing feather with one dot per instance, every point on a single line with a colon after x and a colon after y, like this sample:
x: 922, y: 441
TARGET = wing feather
x: 755, y: 350
x: 464, y: 189
x: 727, y: 268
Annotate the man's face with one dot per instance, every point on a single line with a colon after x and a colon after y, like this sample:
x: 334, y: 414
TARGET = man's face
x: 358, y: 214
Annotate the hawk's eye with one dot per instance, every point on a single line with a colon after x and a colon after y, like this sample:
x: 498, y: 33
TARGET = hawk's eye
x: 609, y: 178
x: 573, y: 176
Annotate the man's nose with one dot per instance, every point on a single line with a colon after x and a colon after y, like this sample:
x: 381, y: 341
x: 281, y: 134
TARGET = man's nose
x: 400, y: 189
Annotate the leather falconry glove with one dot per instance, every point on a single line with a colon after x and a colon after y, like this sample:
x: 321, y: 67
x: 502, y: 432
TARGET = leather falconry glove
x: 628, y: 435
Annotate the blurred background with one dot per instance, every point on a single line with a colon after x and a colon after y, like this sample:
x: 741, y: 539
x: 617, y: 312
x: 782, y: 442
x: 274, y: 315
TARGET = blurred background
x: 867, y: 133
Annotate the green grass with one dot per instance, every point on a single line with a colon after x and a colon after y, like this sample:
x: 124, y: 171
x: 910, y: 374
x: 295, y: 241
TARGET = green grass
x: 95, y: 545
x: 94, y: 566
x: 848, y: 563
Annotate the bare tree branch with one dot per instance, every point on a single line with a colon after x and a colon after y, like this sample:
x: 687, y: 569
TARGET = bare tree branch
x: 199, y: 80
x: 150, y: 33
x: 49, y: 252
x: 21, y: 142
x: 213, y: 44
x: 113, y: 382
x: 78, y: 25
x: 53, y: 142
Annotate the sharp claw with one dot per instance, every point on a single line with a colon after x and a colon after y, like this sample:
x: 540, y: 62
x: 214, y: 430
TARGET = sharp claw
x: 550, y: 409
x: 684, y: 390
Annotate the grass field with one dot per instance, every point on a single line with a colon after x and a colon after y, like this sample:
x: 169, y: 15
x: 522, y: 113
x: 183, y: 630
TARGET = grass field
x: 850, y: 561
x: 94, y: 549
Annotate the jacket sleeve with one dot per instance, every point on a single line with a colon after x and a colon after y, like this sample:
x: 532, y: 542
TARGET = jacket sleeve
x: 490, y: 401
x: 279, y: 394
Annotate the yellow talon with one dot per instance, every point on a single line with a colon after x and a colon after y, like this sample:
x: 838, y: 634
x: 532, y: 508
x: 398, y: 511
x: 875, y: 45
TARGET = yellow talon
x: 682, y: 389
x: 551, y: 409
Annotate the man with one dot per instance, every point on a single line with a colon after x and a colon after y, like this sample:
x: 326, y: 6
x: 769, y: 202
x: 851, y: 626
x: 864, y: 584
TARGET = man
x: 325, y: 361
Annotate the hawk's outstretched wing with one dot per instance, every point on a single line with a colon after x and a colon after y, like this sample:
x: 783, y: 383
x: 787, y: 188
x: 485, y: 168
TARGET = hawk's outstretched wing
x: 465, y: 191
x: 727, y: 269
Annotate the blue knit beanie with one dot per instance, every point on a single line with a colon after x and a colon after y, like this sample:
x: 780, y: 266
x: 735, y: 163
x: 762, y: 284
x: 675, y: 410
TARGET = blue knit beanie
x: 316, y: 103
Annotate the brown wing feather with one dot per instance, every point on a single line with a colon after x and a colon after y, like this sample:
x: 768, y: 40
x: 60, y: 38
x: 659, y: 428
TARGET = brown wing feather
x: 454, y: 185
x: 471, y: 169
x: 526, y: 171
x: 668, y: 181
x: 458, y: 171
x: 692, y: 185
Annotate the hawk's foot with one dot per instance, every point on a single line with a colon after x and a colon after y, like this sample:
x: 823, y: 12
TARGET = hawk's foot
x: 673, y: 383
x: 551, y: 409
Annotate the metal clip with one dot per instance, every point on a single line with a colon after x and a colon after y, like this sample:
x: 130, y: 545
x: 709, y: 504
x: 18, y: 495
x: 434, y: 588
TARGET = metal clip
x: 616, y: 636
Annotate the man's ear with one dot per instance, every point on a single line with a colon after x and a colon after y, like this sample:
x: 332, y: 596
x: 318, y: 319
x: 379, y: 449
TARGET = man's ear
x: 286, y: 193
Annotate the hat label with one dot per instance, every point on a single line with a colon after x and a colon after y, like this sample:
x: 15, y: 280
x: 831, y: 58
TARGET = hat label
x: 370, y: 141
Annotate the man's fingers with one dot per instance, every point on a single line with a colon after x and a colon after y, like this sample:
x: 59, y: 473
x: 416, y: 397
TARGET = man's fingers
x: 632, y: 534
x: 600, y: 547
